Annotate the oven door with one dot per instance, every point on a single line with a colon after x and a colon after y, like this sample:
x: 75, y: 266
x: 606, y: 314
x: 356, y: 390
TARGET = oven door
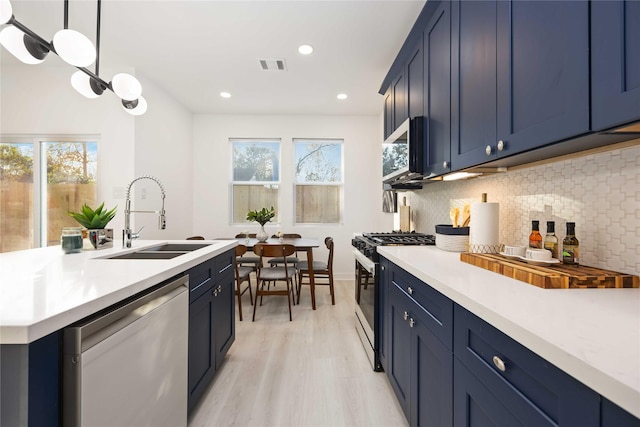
x: 366, y: 302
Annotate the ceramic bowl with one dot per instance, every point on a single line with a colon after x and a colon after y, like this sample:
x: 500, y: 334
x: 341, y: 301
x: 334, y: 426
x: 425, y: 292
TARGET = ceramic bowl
x: 515, y: 250
x: 538, y: 254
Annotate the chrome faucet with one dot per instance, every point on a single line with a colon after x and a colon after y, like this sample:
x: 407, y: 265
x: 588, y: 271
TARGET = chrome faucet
x: 127, y: 234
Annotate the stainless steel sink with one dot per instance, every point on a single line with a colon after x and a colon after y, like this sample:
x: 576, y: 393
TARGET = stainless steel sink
x: 165, y: 251
x: 148, y: 255
x: 177, y: 247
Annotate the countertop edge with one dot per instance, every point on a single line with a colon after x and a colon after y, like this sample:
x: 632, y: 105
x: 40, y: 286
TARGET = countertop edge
x: 602, y: 382
x: 166, y: 269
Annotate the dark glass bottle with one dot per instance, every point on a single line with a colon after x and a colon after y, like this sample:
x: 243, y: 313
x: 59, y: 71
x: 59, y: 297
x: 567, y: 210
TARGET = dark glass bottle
x: 551, y: 240
x: 535, y: 238
x: 571, y: 246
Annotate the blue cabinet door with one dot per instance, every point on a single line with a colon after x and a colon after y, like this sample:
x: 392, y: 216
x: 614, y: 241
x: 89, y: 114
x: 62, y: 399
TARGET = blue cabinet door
x: 202, y: 358
x: 399, y: 90
x: 431, y: 402
x: 388, y: 113
x: 520, y: 76
x: 615, y: 416
x: 473, y: 85
x: 399, y: 356
x: 224, y: 322
x: 615, y: 63
x: 437, y: 91
x: 542, y: 74
x: 415, y: 82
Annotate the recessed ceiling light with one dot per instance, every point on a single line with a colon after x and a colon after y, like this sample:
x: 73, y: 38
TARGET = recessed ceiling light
x: 225, y: 94
x: 305, y: 49
x: 342, y: 96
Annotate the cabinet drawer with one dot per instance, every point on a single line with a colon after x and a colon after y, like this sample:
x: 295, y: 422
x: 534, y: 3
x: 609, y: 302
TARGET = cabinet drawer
x: 438, y: 309
x: 224, y: 262
x: 532, y: 387
x: 201, y: 278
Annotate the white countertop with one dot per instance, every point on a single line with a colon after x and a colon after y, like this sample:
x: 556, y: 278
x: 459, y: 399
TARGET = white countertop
x: 43, y: 290
x: 592, y: 334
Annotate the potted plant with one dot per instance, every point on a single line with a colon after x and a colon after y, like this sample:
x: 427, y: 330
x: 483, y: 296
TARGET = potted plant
x: 95, y: 221
x: 262, y: 217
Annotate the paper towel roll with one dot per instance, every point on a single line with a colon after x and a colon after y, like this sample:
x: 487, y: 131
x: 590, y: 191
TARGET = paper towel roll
x: 485, y: 224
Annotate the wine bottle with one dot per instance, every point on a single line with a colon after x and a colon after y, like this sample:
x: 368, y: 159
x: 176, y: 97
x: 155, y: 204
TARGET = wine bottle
x: 535, y: 238
x: 551, y: 240
x: 571, y: 246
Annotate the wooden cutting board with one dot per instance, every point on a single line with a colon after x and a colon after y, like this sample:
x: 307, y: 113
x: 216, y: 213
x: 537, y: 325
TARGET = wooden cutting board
x: 405, y: 216
x: 556, y: 276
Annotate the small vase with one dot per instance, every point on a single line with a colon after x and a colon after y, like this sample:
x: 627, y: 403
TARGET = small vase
x: 262, y: 235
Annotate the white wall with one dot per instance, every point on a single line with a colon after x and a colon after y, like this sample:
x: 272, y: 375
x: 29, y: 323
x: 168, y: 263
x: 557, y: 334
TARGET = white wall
x: 363, y: 194
x: 39, y: 100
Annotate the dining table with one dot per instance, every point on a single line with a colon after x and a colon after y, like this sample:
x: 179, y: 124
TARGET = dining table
x: 302, y: 244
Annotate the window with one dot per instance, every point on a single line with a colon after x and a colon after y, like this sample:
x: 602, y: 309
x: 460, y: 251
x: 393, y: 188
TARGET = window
x: 256, y: 176
x: 40, y: 181
x: 318, y: 181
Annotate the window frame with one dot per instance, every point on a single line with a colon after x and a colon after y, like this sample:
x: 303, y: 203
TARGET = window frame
x: 340, y: 183
x: 39, y: 220
x: 233, y: 182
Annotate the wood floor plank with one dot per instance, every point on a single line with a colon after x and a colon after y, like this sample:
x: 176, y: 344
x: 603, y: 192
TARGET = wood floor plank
x: 310, y: 372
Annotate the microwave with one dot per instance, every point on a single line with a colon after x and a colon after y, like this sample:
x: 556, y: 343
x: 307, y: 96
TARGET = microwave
x: 403, y: 155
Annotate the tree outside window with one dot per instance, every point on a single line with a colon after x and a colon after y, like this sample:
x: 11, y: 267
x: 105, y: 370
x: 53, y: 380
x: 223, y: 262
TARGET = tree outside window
x: 256, y: 176
x: 59, y: 176
x: 318, y: 181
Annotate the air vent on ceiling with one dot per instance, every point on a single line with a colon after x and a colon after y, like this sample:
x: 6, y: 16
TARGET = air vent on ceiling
x: 272, y: 65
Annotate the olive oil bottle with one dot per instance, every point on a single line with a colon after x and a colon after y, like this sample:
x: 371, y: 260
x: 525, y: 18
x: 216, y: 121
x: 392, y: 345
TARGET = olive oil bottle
x: 571, y: 246
x: 551, y: 240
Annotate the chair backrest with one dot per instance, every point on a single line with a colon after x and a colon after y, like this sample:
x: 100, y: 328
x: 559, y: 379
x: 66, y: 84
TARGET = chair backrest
x: 241, y: 235
x: 272, y: 251
x: 195, y: 238
x: 329, y: 243
x: 241, y: 250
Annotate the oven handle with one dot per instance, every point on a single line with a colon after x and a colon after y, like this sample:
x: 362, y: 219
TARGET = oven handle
x: 365, y: 262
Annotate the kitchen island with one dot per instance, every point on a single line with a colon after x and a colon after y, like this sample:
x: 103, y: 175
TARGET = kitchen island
x: 591, y: 334
x: 44, y: 290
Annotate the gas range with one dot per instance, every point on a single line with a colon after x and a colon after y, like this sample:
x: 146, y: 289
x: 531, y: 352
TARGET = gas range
x: 367, y: 242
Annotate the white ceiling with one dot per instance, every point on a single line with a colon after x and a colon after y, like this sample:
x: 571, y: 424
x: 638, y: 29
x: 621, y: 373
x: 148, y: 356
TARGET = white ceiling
x: 197, y: 49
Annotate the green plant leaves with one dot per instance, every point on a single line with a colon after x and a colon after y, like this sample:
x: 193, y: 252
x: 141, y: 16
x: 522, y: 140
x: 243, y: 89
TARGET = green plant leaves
x: 262, y: 216
x: 93, y: 219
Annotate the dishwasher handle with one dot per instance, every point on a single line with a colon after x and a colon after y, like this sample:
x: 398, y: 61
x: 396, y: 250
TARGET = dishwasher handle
x: 78, y: 339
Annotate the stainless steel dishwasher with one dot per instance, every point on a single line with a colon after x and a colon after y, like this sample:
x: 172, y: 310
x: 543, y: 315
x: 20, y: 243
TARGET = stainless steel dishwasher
x: 128, y: 366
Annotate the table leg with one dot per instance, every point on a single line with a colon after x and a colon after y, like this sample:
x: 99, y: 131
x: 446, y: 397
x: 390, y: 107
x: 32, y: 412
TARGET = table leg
x: 312, y: 284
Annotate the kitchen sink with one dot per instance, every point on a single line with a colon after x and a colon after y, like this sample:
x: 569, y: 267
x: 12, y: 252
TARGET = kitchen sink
x: 165, y: 251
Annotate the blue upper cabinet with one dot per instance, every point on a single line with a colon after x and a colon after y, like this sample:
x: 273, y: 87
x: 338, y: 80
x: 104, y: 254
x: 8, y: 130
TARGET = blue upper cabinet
x: 615, y: 63
x: 415, y: 82
x: 395, y: 104
x: 520, y: 77
x: 437, y: 91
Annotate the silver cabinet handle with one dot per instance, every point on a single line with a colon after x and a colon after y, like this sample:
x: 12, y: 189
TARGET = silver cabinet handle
x: 410, y: 290
x: 406, y: 315
x: 488, y: 150
x: 445, y: 164
x: 500, y: 145
x: 216, y: 290
x: 382, y: 267
x: 411, y: 322
x: 499, y: 364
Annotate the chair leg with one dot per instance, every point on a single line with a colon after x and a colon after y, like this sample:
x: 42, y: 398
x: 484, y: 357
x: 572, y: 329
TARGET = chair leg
x: 250, y: 291
x: 333, y: 296
x: 255, y: 304
x: 239, y: 293
x: 289, y: 298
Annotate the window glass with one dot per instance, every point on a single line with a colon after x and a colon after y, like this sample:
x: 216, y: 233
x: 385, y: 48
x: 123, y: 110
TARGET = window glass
x: 16, y: 197
x: 318, y: 181
x: 40, y: 182
x: 256, y: 176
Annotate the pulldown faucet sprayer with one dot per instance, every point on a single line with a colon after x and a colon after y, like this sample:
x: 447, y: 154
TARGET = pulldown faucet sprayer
x: 127, y: 234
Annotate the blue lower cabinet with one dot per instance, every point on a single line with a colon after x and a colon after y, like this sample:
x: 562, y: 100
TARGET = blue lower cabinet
x: 419, y: 364
x: 534, y: 392
x: 615, y: 416
x: 211, y: 321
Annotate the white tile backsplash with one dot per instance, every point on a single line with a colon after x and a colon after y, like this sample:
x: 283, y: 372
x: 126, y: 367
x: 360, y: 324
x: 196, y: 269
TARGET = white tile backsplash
x: 599, y: 192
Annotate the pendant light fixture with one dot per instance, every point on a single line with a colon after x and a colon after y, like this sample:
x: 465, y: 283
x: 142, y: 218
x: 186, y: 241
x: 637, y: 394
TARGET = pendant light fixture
x: 75, y: 49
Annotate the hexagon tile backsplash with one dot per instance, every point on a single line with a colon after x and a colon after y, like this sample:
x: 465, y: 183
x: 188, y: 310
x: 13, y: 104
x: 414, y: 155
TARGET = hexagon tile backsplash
x: 599, y: 192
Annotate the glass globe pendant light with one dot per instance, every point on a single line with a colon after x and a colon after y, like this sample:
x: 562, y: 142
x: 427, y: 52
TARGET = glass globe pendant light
x: 74, y: 48
x: 86, y: 85
x: 136, y: 107
x: 126, y: 86
x: 6, y: 11
x: 22, y: 46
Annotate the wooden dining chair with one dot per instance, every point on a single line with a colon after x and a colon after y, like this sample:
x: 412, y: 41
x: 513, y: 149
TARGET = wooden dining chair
x: 243, y: 274
x: 248, y: 260
x: 268, y: 275
x: 292, y: 260
x: 321, y: 270
x: 195, y: 238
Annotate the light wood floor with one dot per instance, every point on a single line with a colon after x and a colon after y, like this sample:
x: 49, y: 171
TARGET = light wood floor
x: 312, y: 371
